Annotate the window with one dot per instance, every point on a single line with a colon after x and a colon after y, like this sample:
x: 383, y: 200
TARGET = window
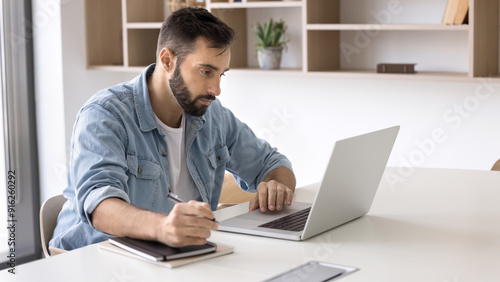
x: 3, y: 182
x: 19, y: 160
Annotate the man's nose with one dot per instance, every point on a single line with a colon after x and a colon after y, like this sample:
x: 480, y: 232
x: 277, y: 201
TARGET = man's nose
x: 214, y: 87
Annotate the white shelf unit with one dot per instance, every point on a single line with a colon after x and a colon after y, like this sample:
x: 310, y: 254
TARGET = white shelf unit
x: 396, y: 34
x: 122, y: 35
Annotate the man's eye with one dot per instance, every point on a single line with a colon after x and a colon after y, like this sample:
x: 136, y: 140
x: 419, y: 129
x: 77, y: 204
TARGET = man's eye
x: 205, y: 72
x: 222, y: 74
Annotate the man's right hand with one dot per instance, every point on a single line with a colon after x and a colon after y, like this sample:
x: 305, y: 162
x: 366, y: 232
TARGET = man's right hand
x: 187, y: 224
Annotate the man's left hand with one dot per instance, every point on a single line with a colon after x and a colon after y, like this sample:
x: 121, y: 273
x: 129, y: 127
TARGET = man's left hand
x: 271, y: 195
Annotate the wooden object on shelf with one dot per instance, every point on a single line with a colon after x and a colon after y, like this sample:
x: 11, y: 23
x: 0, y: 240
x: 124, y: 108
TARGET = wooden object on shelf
x: 455, y: 11
x: 174, y: 5
x: 395, y: 68
x: 462, y: 9
x: 450, y: 12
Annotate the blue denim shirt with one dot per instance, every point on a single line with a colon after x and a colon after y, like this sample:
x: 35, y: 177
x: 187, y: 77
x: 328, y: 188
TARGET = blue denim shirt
x: 117, y: 150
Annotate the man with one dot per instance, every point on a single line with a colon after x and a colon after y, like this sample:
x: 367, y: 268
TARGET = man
x: 165, y: 132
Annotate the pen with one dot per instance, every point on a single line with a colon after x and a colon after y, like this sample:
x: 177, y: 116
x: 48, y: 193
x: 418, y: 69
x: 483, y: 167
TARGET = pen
x: 176, y: 199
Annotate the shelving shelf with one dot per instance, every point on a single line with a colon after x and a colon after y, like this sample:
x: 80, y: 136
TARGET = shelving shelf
x: 152, y: 25
x: 121, y: 36
x: 403, y: 27
x: 274, y: 72
x: 425, y: 75
x: 254, y: 5
x: 117, y: 68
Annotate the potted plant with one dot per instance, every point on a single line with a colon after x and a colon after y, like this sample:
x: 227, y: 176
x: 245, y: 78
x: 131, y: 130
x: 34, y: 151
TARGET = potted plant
x: 271, y: 39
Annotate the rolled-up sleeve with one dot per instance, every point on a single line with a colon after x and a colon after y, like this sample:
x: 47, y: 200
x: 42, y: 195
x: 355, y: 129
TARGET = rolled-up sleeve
x: 251, y: 158
x: 98, y: 161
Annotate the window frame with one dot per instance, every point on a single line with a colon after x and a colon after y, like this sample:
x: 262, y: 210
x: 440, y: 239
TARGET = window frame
x: 21, y: 156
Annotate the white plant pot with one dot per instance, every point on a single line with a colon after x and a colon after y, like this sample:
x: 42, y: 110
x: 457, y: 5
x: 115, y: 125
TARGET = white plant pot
x: 269, y: 58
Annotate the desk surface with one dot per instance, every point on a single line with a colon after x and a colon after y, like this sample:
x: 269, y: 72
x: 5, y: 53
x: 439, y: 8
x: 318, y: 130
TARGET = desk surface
x: 433, y: 225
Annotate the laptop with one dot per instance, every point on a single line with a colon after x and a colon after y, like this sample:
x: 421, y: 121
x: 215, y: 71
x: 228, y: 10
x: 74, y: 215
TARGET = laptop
x: 346, y: 192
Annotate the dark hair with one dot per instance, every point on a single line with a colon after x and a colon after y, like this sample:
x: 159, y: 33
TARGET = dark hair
x: 182, y: 28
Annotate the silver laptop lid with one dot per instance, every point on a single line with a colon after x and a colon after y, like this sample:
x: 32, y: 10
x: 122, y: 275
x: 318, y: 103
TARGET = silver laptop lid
x: 351, y: 180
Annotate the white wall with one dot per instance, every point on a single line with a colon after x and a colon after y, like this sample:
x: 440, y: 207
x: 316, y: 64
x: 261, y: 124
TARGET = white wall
x: 301, y: 115
x: 443, y: 124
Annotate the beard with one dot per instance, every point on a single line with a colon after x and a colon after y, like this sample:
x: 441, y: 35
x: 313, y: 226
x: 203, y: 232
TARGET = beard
x: 184, y: 96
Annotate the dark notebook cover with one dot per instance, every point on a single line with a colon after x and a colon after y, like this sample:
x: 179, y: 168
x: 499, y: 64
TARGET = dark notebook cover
x: 157, y: 251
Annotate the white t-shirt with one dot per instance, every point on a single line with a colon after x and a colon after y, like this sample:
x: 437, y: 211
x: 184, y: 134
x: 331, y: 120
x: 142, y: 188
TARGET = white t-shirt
x: 181, y: 182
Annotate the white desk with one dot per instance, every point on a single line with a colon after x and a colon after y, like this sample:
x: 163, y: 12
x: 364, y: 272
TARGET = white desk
x: 438, y: 225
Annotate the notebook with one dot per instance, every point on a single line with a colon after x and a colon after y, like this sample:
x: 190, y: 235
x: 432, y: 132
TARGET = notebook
x: 157, y: 251
x: 346, y: 192
x: 221, y: 249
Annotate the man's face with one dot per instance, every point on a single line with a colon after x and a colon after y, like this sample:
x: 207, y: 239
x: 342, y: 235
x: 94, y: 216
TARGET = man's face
x: 201, y: 71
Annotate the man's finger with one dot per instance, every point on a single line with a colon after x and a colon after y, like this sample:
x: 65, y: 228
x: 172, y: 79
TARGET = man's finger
x: 190, y: 236
x: 271, y: 196
x: 289, y: 196
x: 254, y: 203
x: 262, y: 197
x: 196, y: 208
x: 280, y: 196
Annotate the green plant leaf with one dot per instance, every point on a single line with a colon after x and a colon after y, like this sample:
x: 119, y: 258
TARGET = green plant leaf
x: 271, y: 33
x: 267, y: 34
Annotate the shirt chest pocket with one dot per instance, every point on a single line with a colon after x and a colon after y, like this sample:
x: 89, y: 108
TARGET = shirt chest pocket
x: 143, y: 183
x: 218, y: 157
x: 142, y: 168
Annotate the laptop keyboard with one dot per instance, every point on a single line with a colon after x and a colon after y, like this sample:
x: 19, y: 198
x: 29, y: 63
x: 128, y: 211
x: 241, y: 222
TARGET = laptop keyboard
x: 292, y: 222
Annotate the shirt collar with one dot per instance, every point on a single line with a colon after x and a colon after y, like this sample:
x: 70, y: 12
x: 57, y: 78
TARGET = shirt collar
x: 197, y: 122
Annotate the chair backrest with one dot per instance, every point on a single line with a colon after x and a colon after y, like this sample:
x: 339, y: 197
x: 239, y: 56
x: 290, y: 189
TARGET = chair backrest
x: 496, y: 166
x: 232, y: 194
x: 48, y: 219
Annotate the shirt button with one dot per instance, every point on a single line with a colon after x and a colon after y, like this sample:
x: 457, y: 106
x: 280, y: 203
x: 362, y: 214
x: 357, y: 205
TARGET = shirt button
x: 164, y: 154
x: 169, y: 189
x: 217, y: 159
x: 139, y: 169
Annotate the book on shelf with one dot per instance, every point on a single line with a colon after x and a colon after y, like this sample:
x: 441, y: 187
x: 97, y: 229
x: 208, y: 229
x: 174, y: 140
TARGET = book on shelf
x: 395, y: 68
x: 164, y: 255
x: 462, y: 10
x: 455, y: 12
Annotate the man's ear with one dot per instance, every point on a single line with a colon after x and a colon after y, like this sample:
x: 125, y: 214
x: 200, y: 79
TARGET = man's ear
x: 167, y: 59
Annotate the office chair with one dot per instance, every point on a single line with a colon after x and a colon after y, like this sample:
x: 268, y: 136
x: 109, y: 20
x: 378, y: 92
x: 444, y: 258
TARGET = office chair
x: 48, y: 220
x: 496, y: 166
x: 232, y: 194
